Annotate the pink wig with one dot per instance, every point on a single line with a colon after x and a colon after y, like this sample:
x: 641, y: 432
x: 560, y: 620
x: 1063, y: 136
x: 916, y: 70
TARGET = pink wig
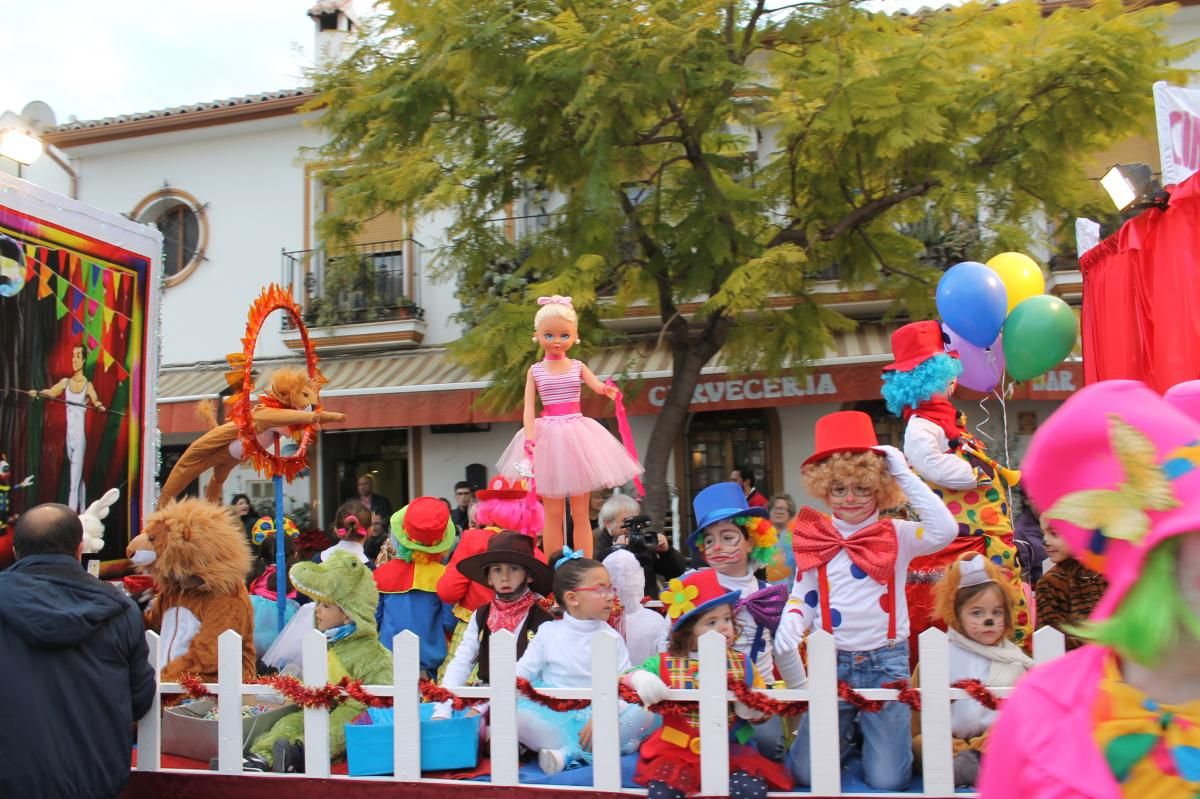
x: 518, y: 515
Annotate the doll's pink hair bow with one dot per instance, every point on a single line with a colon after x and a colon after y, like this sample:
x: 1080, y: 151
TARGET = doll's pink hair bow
x: 554, y: 299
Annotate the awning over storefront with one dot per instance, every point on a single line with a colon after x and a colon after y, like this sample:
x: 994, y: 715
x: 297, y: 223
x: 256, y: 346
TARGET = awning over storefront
x: 426, y: 387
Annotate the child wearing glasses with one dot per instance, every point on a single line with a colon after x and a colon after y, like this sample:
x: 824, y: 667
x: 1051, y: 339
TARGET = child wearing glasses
x: 560, y: 656
x: 850, y: 577
x: 736, y: 539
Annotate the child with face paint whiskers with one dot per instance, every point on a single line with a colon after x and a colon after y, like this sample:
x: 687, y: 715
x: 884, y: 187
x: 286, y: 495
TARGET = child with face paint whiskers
x: 974, y: 601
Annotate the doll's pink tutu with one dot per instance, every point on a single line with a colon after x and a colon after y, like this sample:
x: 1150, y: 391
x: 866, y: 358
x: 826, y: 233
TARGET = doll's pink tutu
x: 574, y: 455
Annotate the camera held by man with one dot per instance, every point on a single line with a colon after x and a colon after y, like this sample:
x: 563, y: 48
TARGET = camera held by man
x: 637, y: 538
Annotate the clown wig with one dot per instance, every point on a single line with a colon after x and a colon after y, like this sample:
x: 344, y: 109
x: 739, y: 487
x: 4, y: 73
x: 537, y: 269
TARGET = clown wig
x: 909, y: 389
x: 853, y: 468
x: 519, y: 515
x: 1151, y: 617
x: 949, y: 598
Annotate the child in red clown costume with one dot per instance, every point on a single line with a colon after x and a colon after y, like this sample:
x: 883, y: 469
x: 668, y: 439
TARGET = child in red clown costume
x: 918, y: 386
x: 669, y: 762
x: 571, y: 454
x: 850, y: 576
x: 1116, y: 469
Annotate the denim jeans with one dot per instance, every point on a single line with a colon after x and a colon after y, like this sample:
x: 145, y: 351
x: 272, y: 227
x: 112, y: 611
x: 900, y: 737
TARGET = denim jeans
x: 887, y: 735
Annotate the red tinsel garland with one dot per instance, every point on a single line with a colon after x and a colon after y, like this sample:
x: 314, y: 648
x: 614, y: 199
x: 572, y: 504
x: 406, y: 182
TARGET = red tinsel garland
x: 329, y: 695
x: 979, y: 692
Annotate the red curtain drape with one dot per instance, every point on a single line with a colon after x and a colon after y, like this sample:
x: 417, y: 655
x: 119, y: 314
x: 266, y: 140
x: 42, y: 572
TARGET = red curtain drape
x: 1141, y: 296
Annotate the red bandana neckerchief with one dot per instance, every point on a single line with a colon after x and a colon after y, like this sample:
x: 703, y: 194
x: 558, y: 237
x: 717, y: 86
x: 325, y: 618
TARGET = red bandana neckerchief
x: 507, y: 615
x: 941, y: 412
x: 816, y: 541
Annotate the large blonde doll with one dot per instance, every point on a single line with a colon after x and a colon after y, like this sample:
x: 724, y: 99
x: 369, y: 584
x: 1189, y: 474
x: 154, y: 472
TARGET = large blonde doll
x: 571, y: 454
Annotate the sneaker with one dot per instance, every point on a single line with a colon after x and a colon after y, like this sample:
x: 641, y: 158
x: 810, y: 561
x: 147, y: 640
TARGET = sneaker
x: 289, y: 757
x: 552, y: 761
x: 252, y: 763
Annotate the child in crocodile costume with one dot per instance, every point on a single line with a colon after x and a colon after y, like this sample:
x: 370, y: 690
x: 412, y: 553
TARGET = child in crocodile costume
x: 346, y: 593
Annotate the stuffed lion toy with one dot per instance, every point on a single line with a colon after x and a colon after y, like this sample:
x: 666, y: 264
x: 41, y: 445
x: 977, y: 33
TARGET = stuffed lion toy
x: 288, y: 404
x: 197, y: 553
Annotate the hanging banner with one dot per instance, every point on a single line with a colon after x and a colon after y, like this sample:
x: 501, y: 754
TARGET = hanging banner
x: 1087, y: 235
x: 1177, y: 113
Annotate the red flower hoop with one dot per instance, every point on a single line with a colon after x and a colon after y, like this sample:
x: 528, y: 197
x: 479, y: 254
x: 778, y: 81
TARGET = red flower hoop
x: 273, y: 298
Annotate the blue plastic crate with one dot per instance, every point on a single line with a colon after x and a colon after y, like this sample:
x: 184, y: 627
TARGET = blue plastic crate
x: 449, y: 744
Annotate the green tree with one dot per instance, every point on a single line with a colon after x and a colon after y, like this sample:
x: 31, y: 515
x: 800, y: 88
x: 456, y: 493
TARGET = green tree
x: 722, y: 151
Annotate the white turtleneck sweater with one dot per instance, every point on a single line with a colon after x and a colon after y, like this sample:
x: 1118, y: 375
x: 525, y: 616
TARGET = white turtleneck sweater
x: 355, y: 548
x: 856, y: 602
x: 560, y: 654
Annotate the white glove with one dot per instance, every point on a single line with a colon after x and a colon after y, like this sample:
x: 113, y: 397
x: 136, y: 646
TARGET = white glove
x: 650, y: 689
x: 896, y: 462
x: 744, y: 711
x: 790, y: 632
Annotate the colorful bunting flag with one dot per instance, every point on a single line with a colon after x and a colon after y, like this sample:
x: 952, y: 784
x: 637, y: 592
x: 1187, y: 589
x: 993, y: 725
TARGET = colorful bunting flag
x: 44, y: 276
x: 60, y: 310
x: 93, y: 343
x: 108, y: 359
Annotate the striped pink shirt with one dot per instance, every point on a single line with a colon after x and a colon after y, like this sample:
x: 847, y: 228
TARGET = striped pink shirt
x: 555, y: 389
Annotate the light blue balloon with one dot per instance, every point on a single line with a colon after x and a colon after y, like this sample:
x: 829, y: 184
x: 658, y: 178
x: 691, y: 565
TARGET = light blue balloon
x: 972, y: 302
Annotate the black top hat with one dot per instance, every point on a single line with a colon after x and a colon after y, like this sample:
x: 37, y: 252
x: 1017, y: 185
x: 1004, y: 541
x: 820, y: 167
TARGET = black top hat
x: 509, y: 547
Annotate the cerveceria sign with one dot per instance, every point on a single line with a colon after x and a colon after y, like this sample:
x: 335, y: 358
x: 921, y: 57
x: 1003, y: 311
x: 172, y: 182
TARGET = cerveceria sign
x: 710, y: 392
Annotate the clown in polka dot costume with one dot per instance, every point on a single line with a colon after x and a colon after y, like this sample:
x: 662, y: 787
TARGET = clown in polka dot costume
x: 850, y: 575
x: 917, y: 387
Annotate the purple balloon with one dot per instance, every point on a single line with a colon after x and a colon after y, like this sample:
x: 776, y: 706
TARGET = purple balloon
x: 983, y: 367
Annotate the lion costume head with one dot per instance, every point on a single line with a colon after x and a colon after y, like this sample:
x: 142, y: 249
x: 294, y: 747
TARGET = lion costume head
x: 199, y: 558
x: 198, y: 546
x: 293, y: 388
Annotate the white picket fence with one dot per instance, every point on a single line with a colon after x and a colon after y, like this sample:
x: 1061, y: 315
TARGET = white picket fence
x: 821, y: 693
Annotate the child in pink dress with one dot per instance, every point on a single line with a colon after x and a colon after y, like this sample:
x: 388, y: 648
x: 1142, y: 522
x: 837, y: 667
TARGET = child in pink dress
x: 571, y: 454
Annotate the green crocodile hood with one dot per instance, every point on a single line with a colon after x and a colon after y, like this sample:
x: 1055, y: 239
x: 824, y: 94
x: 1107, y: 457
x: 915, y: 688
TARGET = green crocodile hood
x: 342, y: 580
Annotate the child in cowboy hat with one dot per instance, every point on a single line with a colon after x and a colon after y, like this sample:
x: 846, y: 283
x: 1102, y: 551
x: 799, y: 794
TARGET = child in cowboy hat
x: 669, y: 762
x: 421, y: 532
x: 850, y: 575
x: 510, y: 569
x: 501, y: 506
x: 1116, y: 469
x: 735, y: 539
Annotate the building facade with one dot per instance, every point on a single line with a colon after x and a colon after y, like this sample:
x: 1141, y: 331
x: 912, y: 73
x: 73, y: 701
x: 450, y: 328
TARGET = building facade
x: 236, y: 195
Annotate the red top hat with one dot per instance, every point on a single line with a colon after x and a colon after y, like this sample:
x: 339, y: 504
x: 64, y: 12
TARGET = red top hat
x: 500, y: 488
x: 916, y: 343
x: 843, y: 431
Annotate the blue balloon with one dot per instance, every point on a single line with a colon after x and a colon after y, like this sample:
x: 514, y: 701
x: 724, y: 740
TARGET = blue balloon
x: 973, y: 302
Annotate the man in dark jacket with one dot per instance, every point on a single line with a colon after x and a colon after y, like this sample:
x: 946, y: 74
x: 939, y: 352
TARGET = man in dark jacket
x: 73, y: 660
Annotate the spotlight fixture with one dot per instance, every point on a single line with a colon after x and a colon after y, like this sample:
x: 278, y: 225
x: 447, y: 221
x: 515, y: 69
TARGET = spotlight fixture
x: 20, y: 146
x: 1132, y: 186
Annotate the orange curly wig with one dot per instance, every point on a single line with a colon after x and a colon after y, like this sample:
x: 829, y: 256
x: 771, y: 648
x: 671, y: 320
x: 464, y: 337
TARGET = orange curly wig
x: 199, y: 546
x: 853, y: 468
x: 948, y: 600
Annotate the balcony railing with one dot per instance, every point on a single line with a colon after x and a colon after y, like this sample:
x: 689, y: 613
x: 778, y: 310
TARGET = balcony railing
x: 373, y: 282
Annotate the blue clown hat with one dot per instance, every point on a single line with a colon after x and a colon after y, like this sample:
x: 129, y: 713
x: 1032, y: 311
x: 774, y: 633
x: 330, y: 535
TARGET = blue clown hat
x: 718, y: 502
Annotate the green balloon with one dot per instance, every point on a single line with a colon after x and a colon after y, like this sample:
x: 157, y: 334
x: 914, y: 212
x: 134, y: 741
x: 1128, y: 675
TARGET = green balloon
x: 1038, y: 334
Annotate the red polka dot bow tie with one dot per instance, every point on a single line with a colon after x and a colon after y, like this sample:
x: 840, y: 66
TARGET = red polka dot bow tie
x: 816, y: 541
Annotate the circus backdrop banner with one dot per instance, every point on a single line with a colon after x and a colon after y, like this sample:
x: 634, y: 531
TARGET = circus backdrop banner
x: 78, y: 358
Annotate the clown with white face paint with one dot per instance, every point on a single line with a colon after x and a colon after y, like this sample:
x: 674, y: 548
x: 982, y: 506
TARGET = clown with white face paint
x: 850, y: 576
x: 735, y: 540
